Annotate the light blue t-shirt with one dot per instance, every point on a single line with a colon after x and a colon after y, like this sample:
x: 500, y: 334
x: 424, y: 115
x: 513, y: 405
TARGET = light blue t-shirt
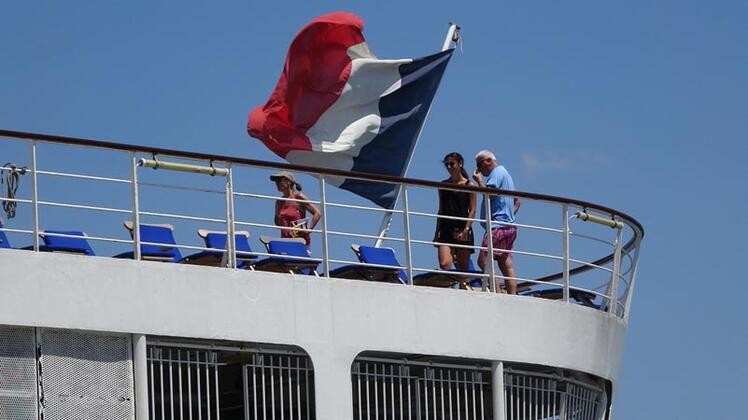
x: 502, y: 207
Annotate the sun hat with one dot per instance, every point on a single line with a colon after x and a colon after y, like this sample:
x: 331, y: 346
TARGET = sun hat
x: 283, y: 174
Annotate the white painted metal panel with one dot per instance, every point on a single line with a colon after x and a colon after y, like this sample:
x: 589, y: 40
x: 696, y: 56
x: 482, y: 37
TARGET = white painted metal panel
x: 18, y: 385
x: 333, y: 320
x: 86, y: 375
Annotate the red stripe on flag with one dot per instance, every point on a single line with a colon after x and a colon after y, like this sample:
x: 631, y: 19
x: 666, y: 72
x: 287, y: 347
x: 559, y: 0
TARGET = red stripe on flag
x: 317, y: 68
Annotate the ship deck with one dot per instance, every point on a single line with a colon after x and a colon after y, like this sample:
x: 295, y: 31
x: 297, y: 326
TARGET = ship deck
x: 577, y: 265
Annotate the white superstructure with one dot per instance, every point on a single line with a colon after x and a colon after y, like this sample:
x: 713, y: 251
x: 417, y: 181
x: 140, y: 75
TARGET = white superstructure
x: 99, y: 337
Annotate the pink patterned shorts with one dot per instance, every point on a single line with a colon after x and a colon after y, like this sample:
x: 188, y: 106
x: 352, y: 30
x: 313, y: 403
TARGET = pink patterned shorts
x: 503, y: 238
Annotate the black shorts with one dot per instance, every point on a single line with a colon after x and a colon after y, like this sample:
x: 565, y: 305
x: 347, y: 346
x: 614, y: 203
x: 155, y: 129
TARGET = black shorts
x: 446, y: 234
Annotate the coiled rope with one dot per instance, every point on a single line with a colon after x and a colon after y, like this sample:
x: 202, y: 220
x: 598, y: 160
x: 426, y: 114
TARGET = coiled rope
x: 12, y: 178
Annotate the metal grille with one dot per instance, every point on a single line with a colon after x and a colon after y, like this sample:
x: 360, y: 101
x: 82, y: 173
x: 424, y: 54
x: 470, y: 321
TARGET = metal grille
x: 18, y: 390
x: 530, y: 396
x: 279, y: 387
x: 183, y: 384
x: 86, y: 375
x: 384, y: 390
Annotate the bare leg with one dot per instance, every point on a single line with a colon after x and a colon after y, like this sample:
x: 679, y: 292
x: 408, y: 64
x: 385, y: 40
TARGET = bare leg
x: 506, y: 265
x: 444, y: 254
x: 463, y: 258
x: 482, y: 257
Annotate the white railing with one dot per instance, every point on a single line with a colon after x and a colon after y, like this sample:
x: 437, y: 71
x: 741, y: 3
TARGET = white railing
x: 542, y: 396
x: 574, y: 250
x: 183, y: 383
x: 396, y: 389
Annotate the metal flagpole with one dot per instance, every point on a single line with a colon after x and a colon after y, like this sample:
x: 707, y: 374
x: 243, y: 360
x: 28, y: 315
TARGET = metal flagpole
x: 453, y: 35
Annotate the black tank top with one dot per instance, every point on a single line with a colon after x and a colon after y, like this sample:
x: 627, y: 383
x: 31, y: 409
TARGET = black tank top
x: 454, y: 203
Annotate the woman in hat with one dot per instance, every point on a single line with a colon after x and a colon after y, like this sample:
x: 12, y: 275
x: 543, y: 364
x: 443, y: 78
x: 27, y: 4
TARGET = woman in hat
x: 455, y: 204
x: 290, y: 213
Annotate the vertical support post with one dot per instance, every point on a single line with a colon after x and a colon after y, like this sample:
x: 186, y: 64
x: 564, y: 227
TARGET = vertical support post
x: 135, y: 206
x: 34, y: 197
x: 230, y: 222
x: 452, y: 36
x: 564, y: 403
x: 489, y: 241
x: 632, y: 281
x: 602, y: 406
x: 497, y: 385
x: 616, y: 270
x: 37, y: 332
x: 565, y: 215
x: 140, y: 371
x: 406, y: 228
x: 323, y: 208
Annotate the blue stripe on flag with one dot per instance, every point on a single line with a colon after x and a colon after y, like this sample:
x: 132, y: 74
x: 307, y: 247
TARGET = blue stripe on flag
x: 403, y: 112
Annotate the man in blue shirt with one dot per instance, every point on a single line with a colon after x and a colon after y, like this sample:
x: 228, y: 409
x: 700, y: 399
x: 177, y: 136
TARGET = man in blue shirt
x: 490, y: 174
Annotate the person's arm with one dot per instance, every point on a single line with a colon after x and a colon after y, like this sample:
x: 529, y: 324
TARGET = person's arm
x: 478, y: 177
x: 517, y: 204
x: 311, y: 208
x: 277, y: 213
x: 473, y: 205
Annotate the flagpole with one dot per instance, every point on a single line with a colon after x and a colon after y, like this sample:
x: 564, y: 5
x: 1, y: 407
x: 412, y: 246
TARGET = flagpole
x: 453, y: 36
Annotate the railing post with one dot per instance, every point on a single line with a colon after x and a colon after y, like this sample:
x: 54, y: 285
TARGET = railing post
x: 135, y: 206
x: 34, y: 197
x: 406, y: 227
x: 230, y: 225
x: 497, y: 383
x: 616, y: 270
x: 489, y: 241
x: 323, y: 209
x: 565, y: 268
x: 632, y: 281
x: 140, y: 370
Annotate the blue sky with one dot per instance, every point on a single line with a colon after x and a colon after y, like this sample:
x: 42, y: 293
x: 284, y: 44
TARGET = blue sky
x: 641, y: 106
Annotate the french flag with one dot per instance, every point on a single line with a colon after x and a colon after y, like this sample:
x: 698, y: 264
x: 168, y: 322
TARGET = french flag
x: 338, y: 106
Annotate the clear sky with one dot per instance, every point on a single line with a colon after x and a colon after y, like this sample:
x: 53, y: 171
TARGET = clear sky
x: 641, y: 106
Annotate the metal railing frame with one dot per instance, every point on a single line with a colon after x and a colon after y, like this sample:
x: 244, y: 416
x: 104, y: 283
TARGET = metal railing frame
x: 617, y: 220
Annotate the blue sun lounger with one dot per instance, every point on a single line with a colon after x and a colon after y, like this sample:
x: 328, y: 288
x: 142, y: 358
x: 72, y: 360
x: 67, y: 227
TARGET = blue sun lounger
x: 290, y: 256
x: 74, y: 243
x: 465, y: 278
x: 4, y: 243
x: 163, y: 247
x: 580, y: 296
x: 217, y: 256
x: 386, y: 267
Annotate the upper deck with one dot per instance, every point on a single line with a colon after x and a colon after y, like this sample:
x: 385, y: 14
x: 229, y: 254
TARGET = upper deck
x: 589, y: 265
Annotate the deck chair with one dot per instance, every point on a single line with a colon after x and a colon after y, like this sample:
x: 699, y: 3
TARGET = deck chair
x: 4, y: 243
x: 290, y: 256
x: 455, y: 277
x: 387, y: 268
x: 217, y: 257
x: 580, y: 296
x: 161, y: 234
x: 76, y: 245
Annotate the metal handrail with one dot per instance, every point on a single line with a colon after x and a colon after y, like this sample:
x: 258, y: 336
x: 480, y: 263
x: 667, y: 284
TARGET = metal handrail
x: 637, y: 227
x: 589, y: 211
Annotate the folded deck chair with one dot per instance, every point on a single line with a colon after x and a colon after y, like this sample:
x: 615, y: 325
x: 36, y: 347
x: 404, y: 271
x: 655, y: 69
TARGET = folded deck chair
x: 387, y: 268
x: 163, y: 235
x: 290, y: 256
x: 455, y: 276
x: 580, y: 296
x: 73, y: 245
x: 217, y: 241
